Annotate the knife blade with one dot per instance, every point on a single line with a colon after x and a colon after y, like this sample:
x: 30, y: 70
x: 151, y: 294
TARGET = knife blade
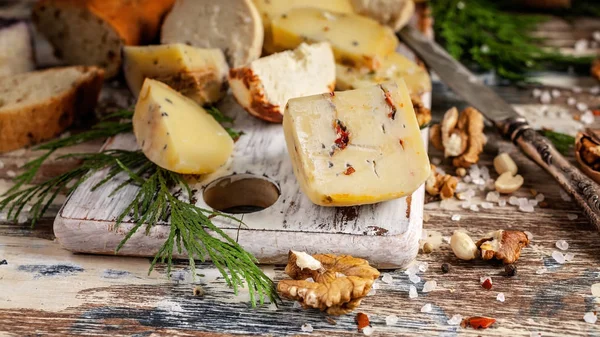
x: 514, y: 127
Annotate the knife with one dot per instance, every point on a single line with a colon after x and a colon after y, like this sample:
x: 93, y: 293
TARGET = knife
x: 510, y: 124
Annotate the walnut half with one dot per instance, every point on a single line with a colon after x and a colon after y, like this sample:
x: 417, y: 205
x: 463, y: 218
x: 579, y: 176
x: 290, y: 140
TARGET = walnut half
x: 423, y: 114
x: 340, y: 282
x: 460, y: 136
x: 587, y: 152
x: 442, y: 185
x: 503, y: 245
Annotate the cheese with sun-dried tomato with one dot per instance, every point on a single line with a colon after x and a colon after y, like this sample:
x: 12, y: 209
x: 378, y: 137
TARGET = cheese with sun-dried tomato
x: 356, y: 147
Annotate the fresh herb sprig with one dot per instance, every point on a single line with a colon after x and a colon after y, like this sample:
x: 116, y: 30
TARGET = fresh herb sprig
x: 191, y: 227
x: 219, y: 117
x: 562, y: 142
x: 479, y: 32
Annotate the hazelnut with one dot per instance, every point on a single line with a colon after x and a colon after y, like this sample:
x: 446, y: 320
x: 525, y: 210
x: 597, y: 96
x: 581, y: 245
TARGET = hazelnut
x: 504, y: 163
x: 507, y: 183
x: 427, y: 248
x: 463, y: 246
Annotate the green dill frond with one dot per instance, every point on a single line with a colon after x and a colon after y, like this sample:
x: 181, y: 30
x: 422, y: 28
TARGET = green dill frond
x: 562, y: 142
x: 221, y: 118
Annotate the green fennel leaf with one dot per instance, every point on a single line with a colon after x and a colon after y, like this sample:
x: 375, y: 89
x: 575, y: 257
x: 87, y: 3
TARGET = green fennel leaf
x: 562, y: 142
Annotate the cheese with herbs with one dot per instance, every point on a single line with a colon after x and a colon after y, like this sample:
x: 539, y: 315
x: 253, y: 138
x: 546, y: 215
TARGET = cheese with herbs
x: 176, y: 133
x: 198, y: 73
x: 356, y: 40
x: 395, y: 67
x: 356, y: 147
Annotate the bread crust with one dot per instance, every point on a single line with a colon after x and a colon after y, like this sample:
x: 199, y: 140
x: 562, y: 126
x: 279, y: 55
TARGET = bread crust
x: 135, y: 22
x: 36, y: 123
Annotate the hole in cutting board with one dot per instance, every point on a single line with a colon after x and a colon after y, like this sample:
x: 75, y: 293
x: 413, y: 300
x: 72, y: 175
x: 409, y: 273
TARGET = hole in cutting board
x: 241, y: 193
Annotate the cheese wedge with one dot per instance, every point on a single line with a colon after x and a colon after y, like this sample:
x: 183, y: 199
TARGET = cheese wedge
x: 177, y: 134
x: 197, y: 73
x: 270, y: 9
x: 356, y: 40
x: 394, y: 68
x: 356, y: 147
x: 263, y: 89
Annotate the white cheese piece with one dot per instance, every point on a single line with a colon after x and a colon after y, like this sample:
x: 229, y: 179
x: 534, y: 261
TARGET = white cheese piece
x: 270, y: 9
x: 176, y: 133
x: 392, y: 13
x: 356, y: 40
x: 16, y: 51
x: 197, y: 73
x: 395, y: 67
x: 265, y: 85
x: 233, y: 26
x: 356, y: 147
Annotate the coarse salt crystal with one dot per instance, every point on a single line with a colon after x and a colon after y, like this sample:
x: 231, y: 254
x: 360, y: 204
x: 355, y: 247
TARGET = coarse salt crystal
x: 376, y: 285
x: 533, y: 202
x: 571, y: 101
x: 529, y: 235
x: 387, y: 278
x: 426, y: 308
x: 412, y: 292
x: 536, y: 92
x: 492, y: 196
x: 391, y: 319
x: 414, y: 278
x: 526, y: 208
x: 372, y: 292
x: 540, y: 197
x: 413, y: 269
x: 297, y: 305
x: 596, y: 35
x: 367, y: 331
x: 455, y: 320
x: 446, y: 204
x: 587, y: 117
x: 467, y: 179
x: 502, y: 202
x: 307, y: 327
x: 474, y: 208
x: 11, y: 173
x: 564, y: 195
x: 569, y: 256
x: 423, y: 266
x: 590, y: 317
x: 562, y: 245
x: 545, y: 98
x: 500, y: 297
x: 487, y: 205
x: 558, y: 257
x: 22, y: 218
x: 596, y: 289
x: 581, y: 106
x: 581, y: 45
x: 436, y: 160
x: 429, y: 286
x: 455, y: 217
x: 465, y: 204
x: 541, y: 270
x: 595, y: 90
x: 576, y: 89
x: 513, y: 201
x: 555, y: 93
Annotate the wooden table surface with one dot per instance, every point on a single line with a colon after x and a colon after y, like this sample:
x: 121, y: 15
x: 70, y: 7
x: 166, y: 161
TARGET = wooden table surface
x: 46, y: 290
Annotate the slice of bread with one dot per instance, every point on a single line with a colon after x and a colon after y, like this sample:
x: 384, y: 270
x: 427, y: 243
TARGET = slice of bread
x: 39, y: 105
x: 16, y: 50
x: 233, y: 26
x: 265, y: 85
x: 92, y: 32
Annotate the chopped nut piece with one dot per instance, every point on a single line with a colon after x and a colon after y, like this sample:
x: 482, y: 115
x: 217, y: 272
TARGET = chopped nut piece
x: 427, y: 248
x: 587, y: 152
x: 442, y: 185
x: 463, y: 246
x: 460, y: 136
x: 461, y: 172
x: 198, y: 291
x: 596, y: 69
x: 423, y: 114
x: 362, y: 321
x: 507, y: 183
x: 504, y: 245
x: 504, y: 163
x: 338, y: 287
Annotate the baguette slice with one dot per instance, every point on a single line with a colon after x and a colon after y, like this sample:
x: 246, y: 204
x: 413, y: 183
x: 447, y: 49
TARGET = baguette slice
x: 233, y: 26
x: 16, y: 50
x: 265, y: 85
x: 200, y: 74
x: 92, y: 32
x: 39, y: 105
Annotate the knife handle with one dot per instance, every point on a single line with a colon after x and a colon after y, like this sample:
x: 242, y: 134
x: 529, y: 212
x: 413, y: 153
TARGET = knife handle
x: 583, y: 189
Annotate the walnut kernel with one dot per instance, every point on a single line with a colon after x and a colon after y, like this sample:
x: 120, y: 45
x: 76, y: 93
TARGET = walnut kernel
x: 504, y: 245
x: 442, y: 185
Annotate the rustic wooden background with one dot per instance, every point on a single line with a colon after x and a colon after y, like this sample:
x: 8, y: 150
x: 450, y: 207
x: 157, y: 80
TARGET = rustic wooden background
x: 46, y: 290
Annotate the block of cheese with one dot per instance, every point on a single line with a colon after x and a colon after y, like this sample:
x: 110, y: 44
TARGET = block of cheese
x: 200, y: 74
x: 392, y: 13
x: 356, y: 147
x: 176, y: 133
x: 233, y: 26
x: 395, y: 67
x: 264, y: 86
x: 270, y: 9
x: 16, y: 50
x: 356, y: 40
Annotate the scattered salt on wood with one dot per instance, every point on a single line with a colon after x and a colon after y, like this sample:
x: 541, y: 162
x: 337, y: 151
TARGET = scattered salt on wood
x: 367, y: 331
x: 429, y: 286
x: 529, y: 235
x: 541, y: 270
x: 526, y: 208
x: 558, y: 257
x: 372, y: 292
x: 576, y: 89
x: 581, y: 106
x: 555, y: 93
x: 391, y: 319
x: 581, y: 45
x: 595, y: 90
x: 375, y: 285
x: 414, y: 278
x: 426, y: 308
x: 436, y: 161
x: 536, y: 92
x: 545, y: 98
x: 513, y: 201
x: 569, y: 257
x: 423, y: 266
x: 387, y: 278
x: 587, y: 117
x: 492, y: 196
x: 474, y: 208
x: 502, y: 202
x: 487, y: 205
x: 412, y: 292
x: 571, y: 101
x: 562, y: 245
x: 455, y: 217
x: 540, y: 197
x: 590, y: 317
x: 564, y: 195
x: 596, y: 289
x: 500, y: 297
x: 572, y: 216
x: 307, y: 328
x: 11, y: 173
x: 455, y: 320
x: 297, y: 305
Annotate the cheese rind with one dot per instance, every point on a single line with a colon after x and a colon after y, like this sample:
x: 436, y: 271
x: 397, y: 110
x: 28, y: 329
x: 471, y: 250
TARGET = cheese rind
x: 356, y: 147
x: 356, y: 40
x: 197, y: 73
x: 270, y: 9
x: 264, y: 86
x: 177, y: 134
x: 394, y: 68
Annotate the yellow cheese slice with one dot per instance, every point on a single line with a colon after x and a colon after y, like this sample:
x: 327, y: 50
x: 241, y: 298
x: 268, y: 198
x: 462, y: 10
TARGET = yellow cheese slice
x: 176, y: 133
x: 356, y: 40
x: 356, y: 147
x: 395, y: 67
x: 198, y: 73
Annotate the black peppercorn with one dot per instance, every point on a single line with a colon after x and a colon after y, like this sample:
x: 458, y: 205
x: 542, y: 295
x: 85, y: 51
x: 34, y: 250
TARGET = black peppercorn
x: 445, y: 268
x: 510, y: 270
